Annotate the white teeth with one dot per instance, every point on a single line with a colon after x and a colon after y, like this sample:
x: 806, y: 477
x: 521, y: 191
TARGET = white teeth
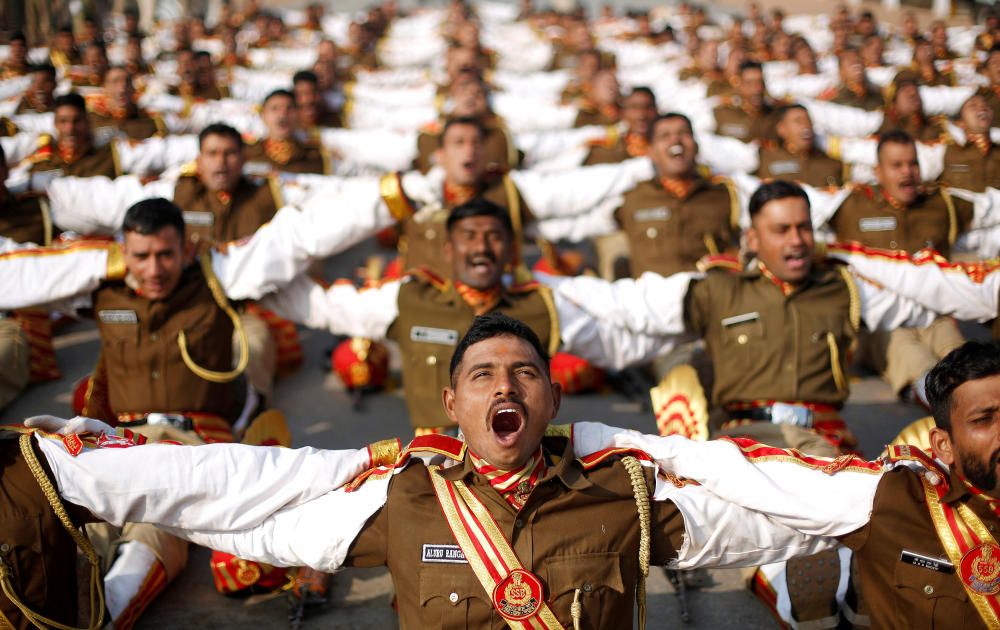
x: 676, y: 150
x: 507, y: 411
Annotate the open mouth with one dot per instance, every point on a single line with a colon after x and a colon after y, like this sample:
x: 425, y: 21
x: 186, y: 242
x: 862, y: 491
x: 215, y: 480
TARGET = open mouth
x: 507, y: 420
x: 481, y: 264
x: 675, y: 151
x: 797, y: 261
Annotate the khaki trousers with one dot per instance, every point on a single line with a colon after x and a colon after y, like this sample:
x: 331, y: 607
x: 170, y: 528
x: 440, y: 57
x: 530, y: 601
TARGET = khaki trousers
x: 610, y: 248
x: 903, y: 355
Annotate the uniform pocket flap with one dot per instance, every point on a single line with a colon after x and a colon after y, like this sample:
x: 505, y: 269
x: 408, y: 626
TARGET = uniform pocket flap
x: 588, y: 572
x: 453, y: 584
x: 932, y: 584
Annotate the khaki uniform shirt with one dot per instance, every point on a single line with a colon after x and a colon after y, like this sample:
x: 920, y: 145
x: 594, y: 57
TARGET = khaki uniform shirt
x: 498, y: 149
x: 93, y: 163
x: 139, y: 348
x: 993, y: 99
x: 814, y: 168
x: 934, y: 220
x: 734, y: 121
x: 667, y: 234
x: 899, y: 594
x: 210, y: 220
x: 422, y: 242
x: 608, y: 153
x: 578, y: 530
x: 768, y: 346
x: 34, y: 544
x: 922, y: 130
x: 432, y: 318
x: 966, y: 167
x: 25, y: 218
x: 590, y: 115
x: 139, y: 126
x: 871, y: 100
x: 302, y: 157
x: 208, y: 93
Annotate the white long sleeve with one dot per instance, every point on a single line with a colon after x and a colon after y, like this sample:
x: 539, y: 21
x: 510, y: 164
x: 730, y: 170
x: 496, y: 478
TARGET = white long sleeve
x: 342, y: 309
x: 97, y: 205
x: 155, y: 155
x: 568, y: 193
x: 36, y: 277
x: 212, y: 486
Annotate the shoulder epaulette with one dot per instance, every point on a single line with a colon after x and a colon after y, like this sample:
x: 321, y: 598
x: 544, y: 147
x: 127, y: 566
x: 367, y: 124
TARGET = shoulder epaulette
x: 427, y: 276
x: 720, y: 262
x: 386, y: 457
x: 189, y: 169
x: 866, y: 189
x: 432, y: 128
x: 593, y: 460
x: 896, y: 453
x: 524, y: 287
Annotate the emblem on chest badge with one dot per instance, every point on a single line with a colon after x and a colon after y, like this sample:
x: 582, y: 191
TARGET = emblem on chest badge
x: 518, y: 596
x: 980, y: 569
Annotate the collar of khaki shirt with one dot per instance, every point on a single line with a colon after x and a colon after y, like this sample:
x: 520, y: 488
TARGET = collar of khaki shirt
x: 566, y: 469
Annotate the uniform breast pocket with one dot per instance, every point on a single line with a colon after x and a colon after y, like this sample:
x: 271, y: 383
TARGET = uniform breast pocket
x: 930, y: 599
x: 21, y: 550
x: 451, y: 598
x: 120, y: 340
x: 597, y: 576
x: 742, y: 333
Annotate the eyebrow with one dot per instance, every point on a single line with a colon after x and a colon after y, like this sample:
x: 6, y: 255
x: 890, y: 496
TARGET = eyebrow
x: 488, y: 364
x: 992, y: 408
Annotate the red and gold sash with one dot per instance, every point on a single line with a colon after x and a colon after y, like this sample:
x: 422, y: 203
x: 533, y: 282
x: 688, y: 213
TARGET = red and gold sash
x: 517, y: 595
x: 970, y: 547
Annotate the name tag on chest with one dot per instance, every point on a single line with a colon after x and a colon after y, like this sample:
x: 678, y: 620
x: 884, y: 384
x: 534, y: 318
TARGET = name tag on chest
x: 118, y: 317
x: 926, y: 562
x: 736, y: 320
x: 877, y: 224
x: 652, y: 214
x: 443, y: 554
x: 200, y: 219
x: 734, y: 129
x: 959, y: 168
x: 784, y: 167
x: 426, y: 334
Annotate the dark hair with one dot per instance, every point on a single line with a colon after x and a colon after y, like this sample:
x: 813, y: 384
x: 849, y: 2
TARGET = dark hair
x: 496, y: 325
x: 46, y: 68
x: 3, y: 156
x: 305, y: 75
x: 894, y: 136
x: 845, y: 52
x: 669, y: 116
x: 70, y: 100
x: 969, y: 362
x: 480, y: 207
x: 471, y: 121
x: 785, y: 109
x: 97, y: 45
x: 750, y: 64
x: 220, y: 129
x: 17, y: 36
x: 772, y: 191
x: 149, y: 216
x: 642, y: 89
x: 202, y: 54
x: 278, y: 93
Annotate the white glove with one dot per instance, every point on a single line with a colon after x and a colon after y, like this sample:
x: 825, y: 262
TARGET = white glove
x: 60, y: 426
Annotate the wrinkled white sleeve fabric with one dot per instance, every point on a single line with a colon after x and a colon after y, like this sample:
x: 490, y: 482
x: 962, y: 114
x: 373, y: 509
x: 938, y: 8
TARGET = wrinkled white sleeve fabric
x: 840, y: 120
x: 544, y: 146
x: 966, y: 292
x: 342, y: 309
x: 325, y: 224
x: 211, y: 486
x: 97, y: 205
x: 317, y: 534
x: 551, y: 195
x: 650, y: 305
x: 37, y: 277
x: 383, y: 148
x: 19, y: 146
x: 727, y: 156
x: 793, y: 491
x: 155, y: 155
x: 883, y: 309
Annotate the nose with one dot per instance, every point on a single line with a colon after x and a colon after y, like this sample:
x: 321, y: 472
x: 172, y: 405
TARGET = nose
x: 505, y: 384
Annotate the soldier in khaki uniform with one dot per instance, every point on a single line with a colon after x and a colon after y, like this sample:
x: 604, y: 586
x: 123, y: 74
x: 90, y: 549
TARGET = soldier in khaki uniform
x: 905, y: 110
x: 638, y: 113
x: 470, y: 98
x: 115, y: 108
x: 795, y: 156
x: 73, y: 152
x: 679, y: 216
x: 854, y: 90
x: 747, y: 115
x: 313, y: 109
x: 16, y: 64
x: 975, y: 164
x: 40, y: 95
x: 285, y: 148
x: 897, y: 214
x: 601, y: 101
x: 197, y: 77
x: 923, y: 69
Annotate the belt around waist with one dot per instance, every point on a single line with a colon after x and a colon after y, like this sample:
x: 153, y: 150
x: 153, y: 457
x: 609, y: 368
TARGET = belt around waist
x: 776, y: 412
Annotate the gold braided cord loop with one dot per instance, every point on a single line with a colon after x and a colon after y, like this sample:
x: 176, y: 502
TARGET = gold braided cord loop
x: 641, y: 493
x: 220, y: 298
x: 838, y: 373
x: 96, y: 590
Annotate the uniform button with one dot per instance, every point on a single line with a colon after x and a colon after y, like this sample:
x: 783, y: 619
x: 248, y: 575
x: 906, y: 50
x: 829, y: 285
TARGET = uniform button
x: 518, y: 523
x: 742, y: 339
x: 587, y: 587
x: 453, y: 598
x: 432, y: 360
x: 154, y: 337
x: 4, y: 548
x: 651, y: 232
x: 155, y: 374
x: 892, y: 244
x: 429, y: 234
x: 195, y: 237
x: 929, y: 590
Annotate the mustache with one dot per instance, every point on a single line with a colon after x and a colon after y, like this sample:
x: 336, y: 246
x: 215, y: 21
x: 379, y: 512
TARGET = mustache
x: 470, y: 259
x: 506, y: 401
